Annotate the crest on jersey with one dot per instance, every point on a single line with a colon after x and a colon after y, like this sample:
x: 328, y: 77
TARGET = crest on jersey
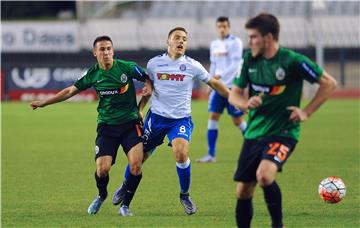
x: 123, y: 78
x: 182, y: 67
x: 280, y: 73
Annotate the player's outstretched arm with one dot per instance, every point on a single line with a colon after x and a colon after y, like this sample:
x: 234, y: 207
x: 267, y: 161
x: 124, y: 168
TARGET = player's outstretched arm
x: 60, y: 96
x: 327, y: 86
x: 235, y: 98
x: 219, y: 86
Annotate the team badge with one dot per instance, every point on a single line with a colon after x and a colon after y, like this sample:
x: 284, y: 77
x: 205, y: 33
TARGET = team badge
x: 182, y: 67
x: 280, y: 73
x: 123, y: 78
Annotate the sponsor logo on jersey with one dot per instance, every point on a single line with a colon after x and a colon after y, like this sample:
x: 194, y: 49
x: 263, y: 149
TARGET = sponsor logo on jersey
x: 171, y: 77
x: 271, y: 90
x: 220, y: 54
x: 123, y: 78
x: 182, y: 67
x: 114, y: 91
x: 280, y: 74
x: 163, y: 65
x: 251, y: 70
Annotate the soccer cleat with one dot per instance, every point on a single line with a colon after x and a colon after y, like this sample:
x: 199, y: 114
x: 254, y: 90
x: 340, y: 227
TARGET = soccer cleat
x: 119, y: 195
x: 188, y: 204
x: 95, y: 205
x: 206, y: 159
x: 124, y: 211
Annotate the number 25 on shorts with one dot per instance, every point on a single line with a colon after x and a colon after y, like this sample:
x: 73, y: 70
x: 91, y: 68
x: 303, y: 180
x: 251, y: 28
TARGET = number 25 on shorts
x: 279, y: 150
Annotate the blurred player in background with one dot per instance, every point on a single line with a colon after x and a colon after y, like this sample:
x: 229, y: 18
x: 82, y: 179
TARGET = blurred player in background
x: 274, y: 76
x: 118, y: 120
x: 225, y: 60
x: 173, y: 74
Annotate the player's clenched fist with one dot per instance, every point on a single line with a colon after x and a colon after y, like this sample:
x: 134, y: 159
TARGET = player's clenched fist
x: 37, y: 104
x: 254, y: 101
x: 297, y: 114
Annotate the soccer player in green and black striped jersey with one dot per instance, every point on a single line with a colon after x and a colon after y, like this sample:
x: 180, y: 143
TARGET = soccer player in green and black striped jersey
x: 274, y: 76
x: 118, y: 117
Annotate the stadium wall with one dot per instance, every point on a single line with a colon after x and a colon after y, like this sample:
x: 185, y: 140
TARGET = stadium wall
x: 40, y: 58
x: 28, y: 76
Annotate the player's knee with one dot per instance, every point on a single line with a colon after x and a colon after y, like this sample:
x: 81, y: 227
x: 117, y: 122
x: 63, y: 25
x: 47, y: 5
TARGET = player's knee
x: 245, y: 191
x: 102, y: 170
x: 264, y: 179
x: 237, y: 120
x: 180, y: 154
x: 135, y: 167
x: 181, y: 157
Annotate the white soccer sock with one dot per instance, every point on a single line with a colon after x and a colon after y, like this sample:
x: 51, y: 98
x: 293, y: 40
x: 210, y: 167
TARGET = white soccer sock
x: 242, y: 126
x: 213, y: 124
x: 183, y: 165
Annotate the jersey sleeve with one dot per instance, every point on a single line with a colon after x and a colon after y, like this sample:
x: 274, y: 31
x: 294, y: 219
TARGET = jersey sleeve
x: 242, y: 80
x: 150, y: 69
x: 307, y: 69
x: 84, y: 82
x: 200, y: 72
x: 137, y: 72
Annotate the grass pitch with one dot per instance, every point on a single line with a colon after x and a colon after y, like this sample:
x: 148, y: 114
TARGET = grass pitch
x: 48, y: 166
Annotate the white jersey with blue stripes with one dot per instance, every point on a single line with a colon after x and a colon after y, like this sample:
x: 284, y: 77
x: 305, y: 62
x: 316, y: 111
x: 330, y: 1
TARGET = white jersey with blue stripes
x: 173, y: 83
x: 226, y: 58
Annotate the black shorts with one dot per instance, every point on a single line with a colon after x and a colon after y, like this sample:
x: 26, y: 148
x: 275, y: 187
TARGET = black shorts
x: 110, y: 137
x: 273, y: 148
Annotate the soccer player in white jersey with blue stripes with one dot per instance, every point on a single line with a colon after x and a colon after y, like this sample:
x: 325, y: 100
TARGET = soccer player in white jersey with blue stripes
x: 173, y: 75
x: 225, y: 60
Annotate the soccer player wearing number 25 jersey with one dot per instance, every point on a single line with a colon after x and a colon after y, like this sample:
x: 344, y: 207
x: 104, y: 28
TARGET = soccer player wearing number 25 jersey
x: 274, y: 76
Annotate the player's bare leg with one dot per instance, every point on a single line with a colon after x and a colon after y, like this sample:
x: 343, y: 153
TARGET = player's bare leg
x: 135, y: 158
x: 244, y: 207
x: 180, y: 148
x: 119, y: 193
x: 265, y: 176
x: 103, y: 165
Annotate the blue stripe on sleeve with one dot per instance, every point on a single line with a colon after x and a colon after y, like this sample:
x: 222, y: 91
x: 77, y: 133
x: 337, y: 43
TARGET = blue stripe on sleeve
x: 139, y: 70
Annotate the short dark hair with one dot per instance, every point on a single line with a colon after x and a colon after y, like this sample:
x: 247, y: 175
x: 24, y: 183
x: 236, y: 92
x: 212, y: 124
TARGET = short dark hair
x: 102, y: 38
x: 223, y: 19
x: 265, y: 23
x: 175, y: 29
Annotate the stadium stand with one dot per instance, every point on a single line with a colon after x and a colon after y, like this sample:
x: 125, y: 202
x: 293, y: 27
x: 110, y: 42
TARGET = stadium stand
x: 139, y: 30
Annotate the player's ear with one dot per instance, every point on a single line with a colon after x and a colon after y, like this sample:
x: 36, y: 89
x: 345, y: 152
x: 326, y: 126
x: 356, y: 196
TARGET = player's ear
x: 269, y: 36
x: 94, y: 52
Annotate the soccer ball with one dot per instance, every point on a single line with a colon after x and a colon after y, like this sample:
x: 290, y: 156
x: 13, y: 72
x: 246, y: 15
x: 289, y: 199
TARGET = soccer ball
x: 332, y: 189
